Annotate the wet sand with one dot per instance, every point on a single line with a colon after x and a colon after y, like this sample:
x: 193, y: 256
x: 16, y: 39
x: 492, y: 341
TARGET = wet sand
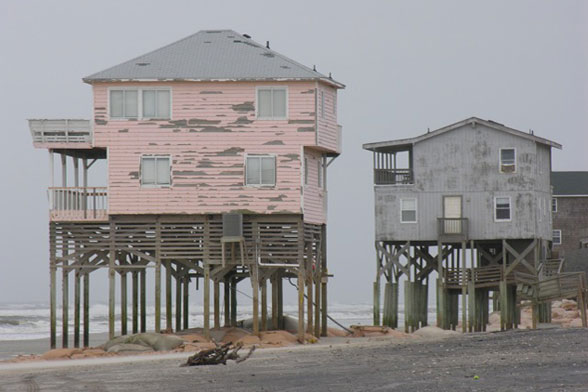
x: 525, y: 360
x: 13, y: 348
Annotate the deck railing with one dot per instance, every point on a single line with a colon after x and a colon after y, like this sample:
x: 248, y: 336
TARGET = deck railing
x: 452, y: 227
x: 61, y: 131
x: 78, y: 202
x: 393, y: 176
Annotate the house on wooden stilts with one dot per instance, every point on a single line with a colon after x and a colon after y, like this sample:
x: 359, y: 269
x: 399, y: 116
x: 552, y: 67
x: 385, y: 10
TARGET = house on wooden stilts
x: 217, y: 150
x: 474, y: 191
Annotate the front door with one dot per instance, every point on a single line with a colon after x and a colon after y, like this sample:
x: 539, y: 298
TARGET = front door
x: 452, y: 214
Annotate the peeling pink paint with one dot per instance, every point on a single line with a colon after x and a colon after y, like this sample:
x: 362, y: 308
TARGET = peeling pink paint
x: 213, y: 126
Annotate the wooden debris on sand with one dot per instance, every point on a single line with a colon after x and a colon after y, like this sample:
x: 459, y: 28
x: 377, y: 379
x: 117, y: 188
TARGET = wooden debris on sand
x: 219, y: 355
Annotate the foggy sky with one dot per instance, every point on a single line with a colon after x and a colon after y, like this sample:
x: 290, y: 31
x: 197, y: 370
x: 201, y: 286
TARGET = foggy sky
x: 408, y: 66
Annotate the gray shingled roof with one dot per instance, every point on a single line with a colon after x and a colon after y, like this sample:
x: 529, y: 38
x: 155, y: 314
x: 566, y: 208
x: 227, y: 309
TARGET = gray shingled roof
x: 211, y: 55
x: 567, y: 183
x: 403, y: 143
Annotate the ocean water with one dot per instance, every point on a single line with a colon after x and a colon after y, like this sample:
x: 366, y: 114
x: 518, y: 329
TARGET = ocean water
x: 31, y: 321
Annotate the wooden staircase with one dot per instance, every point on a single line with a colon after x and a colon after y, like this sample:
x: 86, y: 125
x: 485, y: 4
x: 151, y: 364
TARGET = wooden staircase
x: 552, y: 284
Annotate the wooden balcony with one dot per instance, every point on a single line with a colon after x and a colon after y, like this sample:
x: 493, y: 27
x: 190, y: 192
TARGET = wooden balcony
x: 393, y: 177
x: 78, y: 204
x: 452, y: 229
x: 64, y: 133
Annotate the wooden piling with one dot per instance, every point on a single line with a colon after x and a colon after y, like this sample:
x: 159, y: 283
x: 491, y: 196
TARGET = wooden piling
x: 323, y: 278
x: 386, y: 316
x: 234, y: 282
x: 317, y: 302
x: 280, y: 301
x: 168, y: 296
x: 309, y: 309
x: 376, y: 310
x: 264, y: 305
x: 135, y: 300
x: 123, y: 303
x: 440, y: 299
x: 86, y: 301
x: 179, y: 295
x: 471, y: 304
x: 301, y: 281
x: 301, y: 303
x: 157, y: 276
x: 216, y: 303
x: 77, y: 291
x: 186, y: 288
x: 274, y: 281
x: 227, y: 300
x: 64, y: 304
x: 52, y: 298
x: 206, y: 284
x: 143, y: 298
x: 111, y: 283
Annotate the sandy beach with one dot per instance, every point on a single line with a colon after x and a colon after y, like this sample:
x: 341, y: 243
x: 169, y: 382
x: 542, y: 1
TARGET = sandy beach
x: 523, y: 360
x: 13, y: 348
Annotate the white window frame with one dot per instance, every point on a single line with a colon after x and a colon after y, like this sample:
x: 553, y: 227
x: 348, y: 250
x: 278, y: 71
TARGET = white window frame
x: 257, y: 116
x: 554, y: 204
x: 500, y: 159
x: 274, y: 156
x: 139, y: 90
x: 160, y: 156
x: 509, y: 209
x: 416, y: 209
x: 553, y: 237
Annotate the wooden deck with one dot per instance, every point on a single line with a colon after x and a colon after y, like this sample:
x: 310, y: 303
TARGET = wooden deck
x: 61, y: 133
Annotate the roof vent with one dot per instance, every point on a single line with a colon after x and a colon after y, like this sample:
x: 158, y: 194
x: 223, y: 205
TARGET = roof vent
x: 267, y: 44
x: 143, y: 64
x: 247, y: 36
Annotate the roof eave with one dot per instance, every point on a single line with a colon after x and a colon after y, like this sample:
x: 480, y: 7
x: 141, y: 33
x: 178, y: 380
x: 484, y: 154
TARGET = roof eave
x: 91, y: 80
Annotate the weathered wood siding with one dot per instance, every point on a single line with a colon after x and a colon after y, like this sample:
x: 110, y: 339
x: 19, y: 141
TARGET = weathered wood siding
x: 313, y: 195
x: 213, y: 126
x: 328, y: 134
x: 465, y: 162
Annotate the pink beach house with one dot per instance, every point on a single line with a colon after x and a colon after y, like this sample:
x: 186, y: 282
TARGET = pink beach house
x: 217, y: 150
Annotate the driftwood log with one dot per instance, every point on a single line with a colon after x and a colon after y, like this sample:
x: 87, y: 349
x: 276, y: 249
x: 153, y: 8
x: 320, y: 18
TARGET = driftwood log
x: 219, y: 355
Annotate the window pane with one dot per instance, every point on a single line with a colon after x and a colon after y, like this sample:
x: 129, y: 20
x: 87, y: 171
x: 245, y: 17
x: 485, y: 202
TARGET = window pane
x: 264, y: 101
x: 409, y: 204
x: 163, y: 104
x: 131, y: 103
x: 502, y: 208
x: 305, y: 171
x: 268, y: 170
x: 253, y: 171
x: 163, y: 171
x: 116, y: 103
x: 503, y: 214
x: 149, y: 104
x: 279, y: 97
x: 507, y: 156
x: 409, y: 216
x: 148, y: 171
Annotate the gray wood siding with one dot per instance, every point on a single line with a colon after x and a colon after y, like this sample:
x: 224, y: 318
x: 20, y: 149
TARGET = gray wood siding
x: 465, y: 162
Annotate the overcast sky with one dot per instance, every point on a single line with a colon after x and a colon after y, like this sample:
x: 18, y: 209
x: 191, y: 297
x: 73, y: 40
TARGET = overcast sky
x: 408, y: 66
